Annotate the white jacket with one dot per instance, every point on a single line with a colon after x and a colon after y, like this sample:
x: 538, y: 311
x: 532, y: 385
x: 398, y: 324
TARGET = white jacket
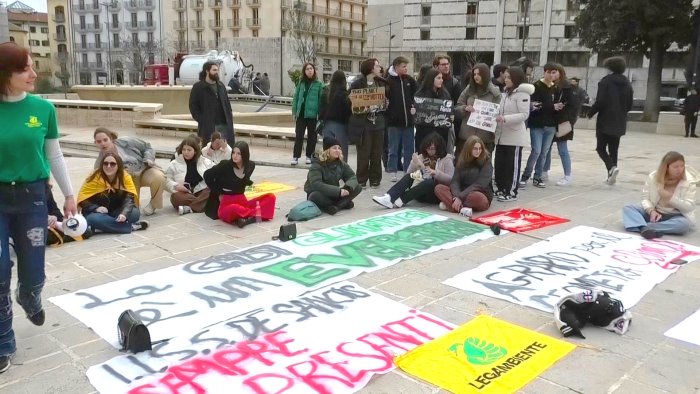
x: 683, y: 198
x: 515, y: 108
x: 216, y: 155
x: 175, y: 174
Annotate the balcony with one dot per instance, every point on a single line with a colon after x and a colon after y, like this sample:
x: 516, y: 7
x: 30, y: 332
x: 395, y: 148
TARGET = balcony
x: 115, y: 26
x: 179, y: 5
x: 90, y: 46
x: 61, y: 57
x: 216, y: 24
x: 135, y: 5
x: 197, y: 25
x: 180, y: 25
x: 197, y: 45
x: 233, y: 3
x: 252, y: 22
x: 216, y: 4
x: 88, y: 28
x: 59, y: 37
x: 59, y: 18
x: 253, y: 3
x: 91, y: 66
x: 233, y: 23
x: 197, y: 4
x: 84, y: 8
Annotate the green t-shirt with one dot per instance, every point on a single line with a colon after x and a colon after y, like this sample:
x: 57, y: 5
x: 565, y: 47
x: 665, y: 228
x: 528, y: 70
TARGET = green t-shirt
x: 24, y: 126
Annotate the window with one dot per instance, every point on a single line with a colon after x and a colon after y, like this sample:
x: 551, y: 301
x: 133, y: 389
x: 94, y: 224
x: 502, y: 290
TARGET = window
x: 425, y: 34
x: 96, y: 21
x: 217, y: 17
x: 36, y: 64
x: 85, y: 58
x: 570, y: 32
x: 115, y: 40
x: 12, y: 39
x: 150, y: 37
x: 569, y: 59
x: 255, y: 33
x: 98, y: 59
x: 98, y: 42
x: 134, y: 37
x: 471, y: 33
x: 32, y: 29
x: 83, y: 41
x: 217, y: 38
x: 149, y: 18
x: 34, y: 43
x: 115, y: 20
x: 151, y: 58
x: 425, y: 10
x: 256, y: 14
x: 345, y: 65
x: 82, y: 21
x: 327, y: 65
x: 134, y: 19
x: 45, y: 30
x: 45, y: 43
x: 523, y: 32
x: 471, y: 13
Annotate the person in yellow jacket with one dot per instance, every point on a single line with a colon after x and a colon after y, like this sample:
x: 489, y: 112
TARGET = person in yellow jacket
x: 108, y: 198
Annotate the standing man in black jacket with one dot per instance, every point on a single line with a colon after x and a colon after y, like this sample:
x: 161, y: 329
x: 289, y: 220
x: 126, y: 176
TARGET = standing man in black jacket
x: 454, y: 88
x: 613, y: 102
x: 402, y: 89
x: 209, y: 105
x: 691, y: 106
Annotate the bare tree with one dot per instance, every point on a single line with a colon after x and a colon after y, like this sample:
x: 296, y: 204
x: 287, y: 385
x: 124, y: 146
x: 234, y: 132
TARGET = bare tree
x: 304, y: 31
x: 136, y: 55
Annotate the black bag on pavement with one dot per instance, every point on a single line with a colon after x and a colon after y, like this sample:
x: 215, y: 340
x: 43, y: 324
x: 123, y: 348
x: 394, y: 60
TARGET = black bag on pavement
x: 133, y: 334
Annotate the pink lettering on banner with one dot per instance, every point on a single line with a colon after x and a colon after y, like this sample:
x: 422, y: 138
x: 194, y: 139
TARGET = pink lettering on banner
x: 659, y: 252
x: 274, y: 364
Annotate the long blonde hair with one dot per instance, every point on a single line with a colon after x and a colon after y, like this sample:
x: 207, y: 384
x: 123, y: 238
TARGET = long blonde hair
x: 326, y: 156
x: 668, y: 159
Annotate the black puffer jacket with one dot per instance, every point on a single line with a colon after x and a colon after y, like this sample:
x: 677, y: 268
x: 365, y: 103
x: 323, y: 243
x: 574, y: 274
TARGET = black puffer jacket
x: 612, y: 103
x: 402, y: 89
x: 569, y: 113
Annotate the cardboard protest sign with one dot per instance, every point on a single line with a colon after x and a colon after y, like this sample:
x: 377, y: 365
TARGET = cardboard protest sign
x: 433, y: 112
x: 486, y: 355
x: 484, y: 115
x: 519, y: 220
x: 368, y: 100
x: 623, y: 264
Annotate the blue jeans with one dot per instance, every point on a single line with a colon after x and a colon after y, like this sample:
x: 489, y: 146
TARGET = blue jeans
x: 563, y: 150
x: 108, y: 224
x: 400, y: 138
x: 338, y: 131
x: 540, y: 141
x: 635, y: 218
x: 23, y: 217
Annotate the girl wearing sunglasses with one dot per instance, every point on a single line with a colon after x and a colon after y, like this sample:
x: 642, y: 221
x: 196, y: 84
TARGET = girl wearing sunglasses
x: 108, y: 198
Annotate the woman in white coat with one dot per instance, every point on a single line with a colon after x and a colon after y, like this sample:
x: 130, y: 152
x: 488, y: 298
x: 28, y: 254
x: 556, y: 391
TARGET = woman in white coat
x: 185, y: 177
x: 511, y: 133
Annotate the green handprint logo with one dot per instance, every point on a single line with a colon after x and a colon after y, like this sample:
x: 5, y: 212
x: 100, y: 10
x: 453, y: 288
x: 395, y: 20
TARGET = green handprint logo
x: 479, y: 352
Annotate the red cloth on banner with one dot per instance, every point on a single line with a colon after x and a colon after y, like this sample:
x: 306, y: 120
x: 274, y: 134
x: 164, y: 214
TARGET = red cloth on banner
x: 236, y: 206
x: 519, y: 220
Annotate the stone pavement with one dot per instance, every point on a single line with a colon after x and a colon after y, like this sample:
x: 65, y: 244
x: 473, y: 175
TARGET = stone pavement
x: 54, y: 358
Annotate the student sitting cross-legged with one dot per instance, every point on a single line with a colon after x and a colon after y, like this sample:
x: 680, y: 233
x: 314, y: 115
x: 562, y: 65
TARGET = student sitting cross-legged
x: 323, y: 182
x: 433, y: 166
x: 108, y: 198
x: 185, y: 177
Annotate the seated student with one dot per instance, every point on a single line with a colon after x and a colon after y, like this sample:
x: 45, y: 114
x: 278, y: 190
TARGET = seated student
x: 471, y: 183
x: 108, y: 198
x: 668, y: 200
x: 323, y: 186
x: 185, y: 177
x: 55, y: 235
x: 139, y: 161
x: 217, y: 149
x: 436, y: 167
x: 227, y: 182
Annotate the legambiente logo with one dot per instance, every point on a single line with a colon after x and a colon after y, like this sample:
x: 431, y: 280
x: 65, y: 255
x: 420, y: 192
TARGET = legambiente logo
x: 479, y: 352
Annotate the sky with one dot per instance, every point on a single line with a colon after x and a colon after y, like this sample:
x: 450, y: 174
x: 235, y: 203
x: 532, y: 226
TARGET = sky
x: 39, y: 5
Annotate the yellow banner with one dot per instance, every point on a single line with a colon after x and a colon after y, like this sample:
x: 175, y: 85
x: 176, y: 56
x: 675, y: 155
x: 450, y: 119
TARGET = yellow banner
x: 485, y: 355
x: 261, y: 188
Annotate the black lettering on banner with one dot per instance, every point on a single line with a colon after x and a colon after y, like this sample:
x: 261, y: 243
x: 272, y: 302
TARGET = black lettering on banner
x: 252, y: 327
x: 328, y: 302
x: 138, y: 291
x: 151, y: 316
x: 222, y: 262
x: 232, y: 289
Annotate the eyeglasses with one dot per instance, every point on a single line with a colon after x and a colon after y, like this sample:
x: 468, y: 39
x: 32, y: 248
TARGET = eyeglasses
x: 444, y: 64
x: 109, y: 164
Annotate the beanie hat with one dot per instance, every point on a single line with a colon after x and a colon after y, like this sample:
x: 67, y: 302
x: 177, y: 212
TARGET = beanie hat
x: 329, y: 141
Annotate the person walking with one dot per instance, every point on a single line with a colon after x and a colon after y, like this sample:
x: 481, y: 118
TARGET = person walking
x: 305, y: 108
x: 402, y: 88
x: 480, y: 88
x: 209, y: 105
x: 613, y: 102
x: 691, y: 106
x: 28, y: 150
x: 336, y: 110
x: 566, y: 107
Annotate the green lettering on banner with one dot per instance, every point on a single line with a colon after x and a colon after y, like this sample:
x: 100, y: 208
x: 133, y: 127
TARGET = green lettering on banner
x: 404, y: 243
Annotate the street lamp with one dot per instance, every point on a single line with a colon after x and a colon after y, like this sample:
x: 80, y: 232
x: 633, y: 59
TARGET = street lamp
x: 391, y: 36
x: 112, y: 3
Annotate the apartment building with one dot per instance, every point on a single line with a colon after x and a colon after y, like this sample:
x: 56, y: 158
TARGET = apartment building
x: 4, y: 24
x: 61, y: 41
x: 500, y: 31
x: 34, y: 35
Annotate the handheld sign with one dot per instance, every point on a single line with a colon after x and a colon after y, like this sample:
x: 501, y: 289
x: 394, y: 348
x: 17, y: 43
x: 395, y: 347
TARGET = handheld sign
x: 433, y: 112
x: 368, y: 100
x: 484, y: 115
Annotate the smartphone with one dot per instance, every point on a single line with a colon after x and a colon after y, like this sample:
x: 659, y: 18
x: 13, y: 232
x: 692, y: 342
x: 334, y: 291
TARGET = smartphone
x: 679, y: 262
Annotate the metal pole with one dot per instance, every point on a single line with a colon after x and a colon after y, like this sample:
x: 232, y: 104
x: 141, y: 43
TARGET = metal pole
x: 696, y: 69
x: 109, y: 45
x: 526, y: 4
x: 390, y: 23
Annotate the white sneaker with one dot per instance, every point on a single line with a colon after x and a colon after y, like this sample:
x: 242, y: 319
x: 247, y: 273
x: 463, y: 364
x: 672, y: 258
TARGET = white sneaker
x: 394, y: 177
x: 184, y: 210
x: 148, y: 210
x: 442, y: 206
x: 308, y: 160
x: 466, y: 212
x: 295, y: 161
x: 384, y: 201
x: 565, y: 181
x: 398, y: 203
x: 612, y: 175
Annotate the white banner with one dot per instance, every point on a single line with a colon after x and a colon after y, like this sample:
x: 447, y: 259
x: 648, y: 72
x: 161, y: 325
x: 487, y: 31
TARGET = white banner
x: 175, y: 300
x: 623, y: 264
x: 688, y: 330
x: 484, y: 115
x: 331, y: 340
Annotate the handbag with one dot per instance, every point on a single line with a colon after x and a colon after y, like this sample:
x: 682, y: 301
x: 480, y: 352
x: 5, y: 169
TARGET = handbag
x: 564, y: 128
x: 287, y: 232
x: 133, y: 334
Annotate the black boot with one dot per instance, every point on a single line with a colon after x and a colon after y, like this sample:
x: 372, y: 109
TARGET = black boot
x: 345, y: 203
x: 242, y: 222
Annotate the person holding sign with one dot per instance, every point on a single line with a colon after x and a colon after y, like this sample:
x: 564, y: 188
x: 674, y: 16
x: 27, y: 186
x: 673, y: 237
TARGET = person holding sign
x: 431, y: 167
x: 470, y: 188
x: 431, y: 88
x: 305, y: 108
x: 511, y: 134
x: 480, y: 88
x: 668, y: 200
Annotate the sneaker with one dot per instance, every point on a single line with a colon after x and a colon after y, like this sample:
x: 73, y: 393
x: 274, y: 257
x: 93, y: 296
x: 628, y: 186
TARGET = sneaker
x: 295, y: 161
x: 538, y: 183
x: 384, y: 201
x: 612, y: 175
x: 398, y: 203
x: 522, y: 182
x: 648, y: 233
x: 5, y: 362
x: 507, y: 198
x: 349, y: 205
x: 308, y: 160
x: 466, y: 212
x: 565, y: 181
x: 140, y: 225
x: 37, y: 319
x: 394, y: 177
x: 498, y: 194
x: 442, y: 206
x: 184, y: 210
x: 545, y: 176
x: 148, y: 210
x: 364, y: 185
x: 331, y: 210
x: 242, y: 222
